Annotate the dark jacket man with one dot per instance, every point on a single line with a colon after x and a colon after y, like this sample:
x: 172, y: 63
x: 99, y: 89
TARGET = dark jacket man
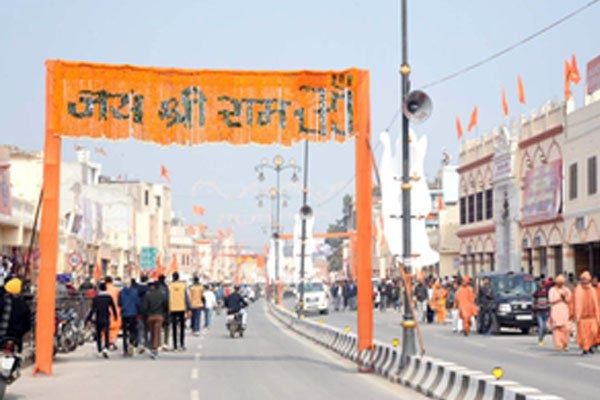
x: 235, y: 302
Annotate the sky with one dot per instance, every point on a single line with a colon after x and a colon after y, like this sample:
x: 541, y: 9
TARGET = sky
x: 444, y: 36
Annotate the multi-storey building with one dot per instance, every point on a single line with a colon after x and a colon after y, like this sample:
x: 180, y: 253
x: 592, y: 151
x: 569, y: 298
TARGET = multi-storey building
x: 540, y: 177
x: 582, y: 195
x: 476, y: 205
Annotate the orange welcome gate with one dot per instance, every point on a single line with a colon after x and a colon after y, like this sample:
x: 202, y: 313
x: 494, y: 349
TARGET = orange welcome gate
x: 191, y: 107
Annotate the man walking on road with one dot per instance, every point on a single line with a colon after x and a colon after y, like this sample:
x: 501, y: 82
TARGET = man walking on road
x: 587, y: 314
x: 115, y: 320
x: 162, y: 286
x: 154, y: 307
x: 210, y: 302
x: 465, y: 303
x: 421, y: 297
x: 103, y: 308
x: 485, y: 301
x: 541, y: 308
x: 196, y: 304
x: 179, y: 304
x: 142, y: 327
x: 559, y: 298
x: 129, y: 303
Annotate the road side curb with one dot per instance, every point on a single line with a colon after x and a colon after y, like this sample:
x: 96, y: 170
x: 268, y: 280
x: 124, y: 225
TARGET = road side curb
x: 434, y: 378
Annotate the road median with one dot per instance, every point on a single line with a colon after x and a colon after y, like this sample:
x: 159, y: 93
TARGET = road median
x: 435, y: 378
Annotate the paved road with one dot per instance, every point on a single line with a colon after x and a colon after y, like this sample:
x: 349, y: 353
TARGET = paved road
x: 565, y: 374
x: 270, y: 362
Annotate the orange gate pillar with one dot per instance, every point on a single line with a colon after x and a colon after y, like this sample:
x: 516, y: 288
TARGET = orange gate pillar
x: 363, y: 255
x: 46, y: 285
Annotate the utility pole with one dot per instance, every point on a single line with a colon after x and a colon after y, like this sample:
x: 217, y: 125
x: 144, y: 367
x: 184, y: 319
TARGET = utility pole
x: 409, y: 347
x: 305, y: 213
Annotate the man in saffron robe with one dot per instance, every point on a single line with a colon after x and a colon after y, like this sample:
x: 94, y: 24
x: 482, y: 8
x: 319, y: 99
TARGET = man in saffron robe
x: 115, y: 320
x: 559, y: 298
x: 587, y: 313
x: 465, y: 303
x: 438, y: 302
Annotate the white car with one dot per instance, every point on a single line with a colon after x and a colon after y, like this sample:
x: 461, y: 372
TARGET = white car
x: 316, y: 298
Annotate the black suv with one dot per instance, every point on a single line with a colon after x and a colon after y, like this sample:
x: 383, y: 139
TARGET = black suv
x: 513, y: 300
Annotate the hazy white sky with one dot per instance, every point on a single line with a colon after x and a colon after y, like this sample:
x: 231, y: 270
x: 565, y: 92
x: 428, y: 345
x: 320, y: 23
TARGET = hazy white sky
x: 269, y: 34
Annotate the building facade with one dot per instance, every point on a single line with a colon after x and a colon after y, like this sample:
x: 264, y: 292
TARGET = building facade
x: 540, y: 172
x: 582, y: 197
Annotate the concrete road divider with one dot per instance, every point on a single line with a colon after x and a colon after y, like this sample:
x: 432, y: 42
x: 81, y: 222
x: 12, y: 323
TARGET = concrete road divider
x: 434, y: 378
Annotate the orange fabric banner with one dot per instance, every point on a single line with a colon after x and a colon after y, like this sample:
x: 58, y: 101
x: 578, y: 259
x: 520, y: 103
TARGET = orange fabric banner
x: 520, y: 89
x: 187, y: 107
x: 504, y: 103
x: 474, y: 119
x: 459, y: 128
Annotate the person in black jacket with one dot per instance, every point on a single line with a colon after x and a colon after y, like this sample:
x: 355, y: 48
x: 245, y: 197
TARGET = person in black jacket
x: 102, y: 306
x: 235, y: 303
x: 486, y: 303
x: 15, y: 314
x: 142, y: 329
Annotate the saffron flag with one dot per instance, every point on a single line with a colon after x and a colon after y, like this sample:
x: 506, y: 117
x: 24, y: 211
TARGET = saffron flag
x: 459, y: 128
x: 97, y: 273
x: 198, y: 210
x: 567, y: 81
x: 504, y: 104
x: 474, y: 119
x: 202, y: 228
x: 574, y: 75
x: 520, y: 89
x: 164, y: 173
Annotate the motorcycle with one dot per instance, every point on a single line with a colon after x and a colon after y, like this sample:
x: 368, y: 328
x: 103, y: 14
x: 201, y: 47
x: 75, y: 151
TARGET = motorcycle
x: 234, y: 324
x: 66, y: 337
x: 10, y: 364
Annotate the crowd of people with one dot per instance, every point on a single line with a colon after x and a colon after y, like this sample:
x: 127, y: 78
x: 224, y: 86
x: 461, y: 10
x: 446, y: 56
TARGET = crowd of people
x: 151, y: 315
x: 561, y: 306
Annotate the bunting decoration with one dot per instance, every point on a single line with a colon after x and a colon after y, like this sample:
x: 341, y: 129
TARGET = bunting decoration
x: 473, y: 121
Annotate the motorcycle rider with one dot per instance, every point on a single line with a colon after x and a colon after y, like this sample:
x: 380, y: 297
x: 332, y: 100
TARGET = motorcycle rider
x: 236, y: 303
x: 15, y: 314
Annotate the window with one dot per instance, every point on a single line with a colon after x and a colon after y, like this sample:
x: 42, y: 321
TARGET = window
x: 479, y: 205
x: 146, y: 197
x: 489, y: 204
x: 573, y: 181
x: 158, y: 201
x: 592, y: 181
x: 471, y: 204
x: 463, y: 210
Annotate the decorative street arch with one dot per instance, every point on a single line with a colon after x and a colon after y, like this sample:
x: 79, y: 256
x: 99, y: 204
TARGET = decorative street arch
x: 192, y: 107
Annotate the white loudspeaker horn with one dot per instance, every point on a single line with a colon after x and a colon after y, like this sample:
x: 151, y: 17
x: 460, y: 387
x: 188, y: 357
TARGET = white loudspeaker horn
x: 417, y: 106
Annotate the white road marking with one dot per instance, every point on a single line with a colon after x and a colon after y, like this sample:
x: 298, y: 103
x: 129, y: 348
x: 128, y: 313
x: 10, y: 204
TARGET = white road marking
x: 474, y: 343
x: 199, y: 347
x: 586, y: 365
x: 194, y: 373
x: 524, y: 353
x: 194, y: 395
x: 197, y: 357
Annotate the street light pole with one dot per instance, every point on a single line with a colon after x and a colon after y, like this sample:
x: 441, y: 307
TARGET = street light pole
x: 305, y: 213
x: 278, y: 166
x: 409, y: 347
x: 277, y: 221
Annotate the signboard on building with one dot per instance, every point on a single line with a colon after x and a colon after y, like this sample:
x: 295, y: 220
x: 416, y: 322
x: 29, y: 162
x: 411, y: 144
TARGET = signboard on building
x: 502, y: 166
x: 148, y: 258
x: 542, y: 192
x: 593, y: 75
